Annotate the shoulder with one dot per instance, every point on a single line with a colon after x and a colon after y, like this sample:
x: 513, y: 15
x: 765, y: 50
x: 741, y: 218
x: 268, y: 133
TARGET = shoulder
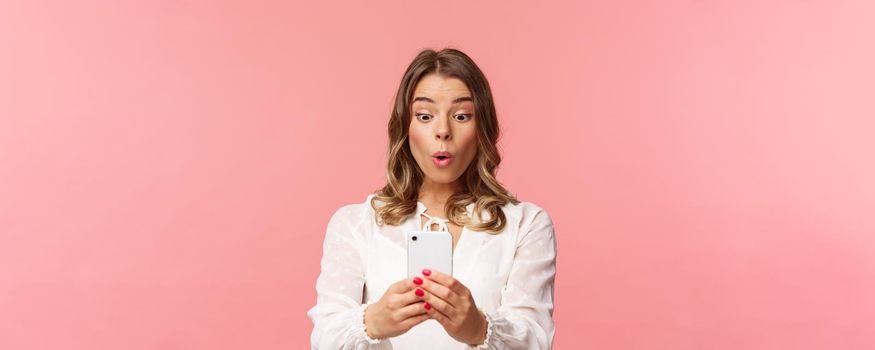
x: 519, y: 216
x: 528, y: 218
x: 353, y: 213
x: 525, y: 212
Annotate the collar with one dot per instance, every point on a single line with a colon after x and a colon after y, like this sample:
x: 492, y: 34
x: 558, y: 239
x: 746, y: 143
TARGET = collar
x: 421, y: 208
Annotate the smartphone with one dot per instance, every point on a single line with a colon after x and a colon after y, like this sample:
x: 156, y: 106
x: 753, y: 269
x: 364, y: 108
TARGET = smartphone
x: 429, y: 249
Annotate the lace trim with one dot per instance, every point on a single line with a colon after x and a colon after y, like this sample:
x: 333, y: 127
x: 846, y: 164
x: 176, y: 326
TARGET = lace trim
x: 489, y: 333
x: 359, y: 326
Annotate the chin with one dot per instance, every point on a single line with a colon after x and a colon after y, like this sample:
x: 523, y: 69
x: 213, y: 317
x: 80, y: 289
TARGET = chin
x: 443, y: 178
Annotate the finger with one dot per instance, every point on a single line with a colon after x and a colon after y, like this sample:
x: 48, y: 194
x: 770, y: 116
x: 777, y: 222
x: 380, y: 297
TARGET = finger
x: 412, y: 310
x: 412, y: 321
x: 406, y: 298
x: 402, y: 286
x: 447, y: 281
x: 439, y: 304
x: 435, y: 314
x: 440, y: 291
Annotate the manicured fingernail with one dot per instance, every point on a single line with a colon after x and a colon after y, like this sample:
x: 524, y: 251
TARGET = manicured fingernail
x: 419, y: 292
x: 426, y: 272
x: 427, y: 306
x: 417, y: 280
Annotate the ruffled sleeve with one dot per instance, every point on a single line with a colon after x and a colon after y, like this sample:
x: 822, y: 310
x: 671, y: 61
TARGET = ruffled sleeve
x: 338, y: 316
x: 524, y: 320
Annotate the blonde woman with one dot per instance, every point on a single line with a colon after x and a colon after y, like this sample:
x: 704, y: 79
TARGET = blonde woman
x: 442, y: 159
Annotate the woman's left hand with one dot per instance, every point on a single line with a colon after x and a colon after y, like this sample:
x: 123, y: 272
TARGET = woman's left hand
x: 450, y: 303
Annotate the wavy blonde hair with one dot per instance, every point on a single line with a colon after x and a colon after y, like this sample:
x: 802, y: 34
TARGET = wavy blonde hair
x: 478, y: 182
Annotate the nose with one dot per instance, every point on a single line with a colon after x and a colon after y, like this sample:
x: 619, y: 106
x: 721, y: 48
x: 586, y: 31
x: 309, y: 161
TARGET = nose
x: 442, y: 131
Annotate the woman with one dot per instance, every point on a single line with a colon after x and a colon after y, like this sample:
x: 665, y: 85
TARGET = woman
x: 442, y: 160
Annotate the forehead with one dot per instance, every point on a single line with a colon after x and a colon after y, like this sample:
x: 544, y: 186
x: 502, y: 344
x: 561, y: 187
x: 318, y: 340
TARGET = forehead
x: 440, y: 88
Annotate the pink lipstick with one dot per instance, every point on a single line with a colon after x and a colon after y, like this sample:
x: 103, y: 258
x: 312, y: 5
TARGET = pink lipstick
x: 442, y: 158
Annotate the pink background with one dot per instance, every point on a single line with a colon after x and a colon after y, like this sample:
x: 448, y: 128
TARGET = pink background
x: 168, y: 168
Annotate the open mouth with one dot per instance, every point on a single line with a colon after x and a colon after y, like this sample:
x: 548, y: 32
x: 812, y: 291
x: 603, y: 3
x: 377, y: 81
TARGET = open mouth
x: 442, y: 161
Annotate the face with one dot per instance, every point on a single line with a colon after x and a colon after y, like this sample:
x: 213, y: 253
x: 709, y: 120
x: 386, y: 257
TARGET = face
x: 442, y: 119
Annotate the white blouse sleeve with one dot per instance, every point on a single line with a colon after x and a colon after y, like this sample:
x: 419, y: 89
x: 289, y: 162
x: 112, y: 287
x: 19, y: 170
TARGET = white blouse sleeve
x: 524, y: 320
x: 339, y: 312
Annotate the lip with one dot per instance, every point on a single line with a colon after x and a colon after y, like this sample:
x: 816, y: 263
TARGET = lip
x: 442, y: 153
x: 440, y: 163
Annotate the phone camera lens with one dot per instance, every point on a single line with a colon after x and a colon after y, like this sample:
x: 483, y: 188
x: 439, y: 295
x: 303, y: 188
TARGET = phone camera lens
x: 414, y: 238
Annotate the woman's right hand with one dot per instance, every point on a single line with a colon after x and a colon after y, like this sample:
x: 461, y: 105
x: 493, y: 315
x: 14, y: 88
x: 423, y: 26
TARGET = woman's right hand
x: 398, y: 310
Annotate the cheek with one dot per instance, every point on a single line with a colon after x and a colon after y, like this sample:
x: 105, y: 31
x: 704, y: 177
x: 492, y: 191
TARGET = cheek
x: 468, y: 140
x: 417, y: 139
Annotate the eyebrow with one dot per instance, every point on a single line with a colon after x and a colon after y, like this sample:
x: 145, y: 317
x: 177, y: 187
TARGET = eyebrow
x: 457, y: 100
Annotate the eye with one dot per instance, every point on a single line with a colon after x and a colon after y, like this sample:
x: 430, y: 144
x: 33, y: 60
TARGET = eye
x: 467, y: 116
x: 423, y: 114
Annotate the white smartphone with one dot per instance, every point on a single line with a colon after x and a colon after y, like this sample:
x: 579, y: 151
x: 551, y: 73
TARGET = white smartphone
x: 429, y: 249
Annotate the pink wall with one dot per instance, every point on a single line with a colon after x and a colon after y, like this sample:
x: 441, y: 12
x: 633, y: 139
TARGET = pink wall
x: 169, y: 167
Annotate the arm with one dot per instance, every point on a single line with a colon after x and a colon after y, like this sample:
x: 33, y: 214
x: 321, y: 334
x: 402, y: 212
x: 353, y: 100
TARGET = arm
x: 524, y: 319
x: 338, y: 316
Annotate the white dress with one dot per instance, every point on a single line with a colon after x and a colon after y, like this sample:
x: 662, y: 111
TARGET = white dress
x: 510, y: 276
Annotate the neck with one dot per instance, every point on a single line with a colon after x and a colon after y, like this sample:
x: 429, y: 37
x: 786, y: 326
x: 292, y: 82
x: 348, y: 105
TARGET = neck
x: 436, y: 193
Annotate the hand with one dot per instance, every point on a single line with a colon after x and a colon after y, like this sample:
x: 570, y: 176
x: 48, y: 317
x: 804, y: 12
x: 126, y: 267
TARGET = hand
x: 398, y: 310
x: 450, y: 303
